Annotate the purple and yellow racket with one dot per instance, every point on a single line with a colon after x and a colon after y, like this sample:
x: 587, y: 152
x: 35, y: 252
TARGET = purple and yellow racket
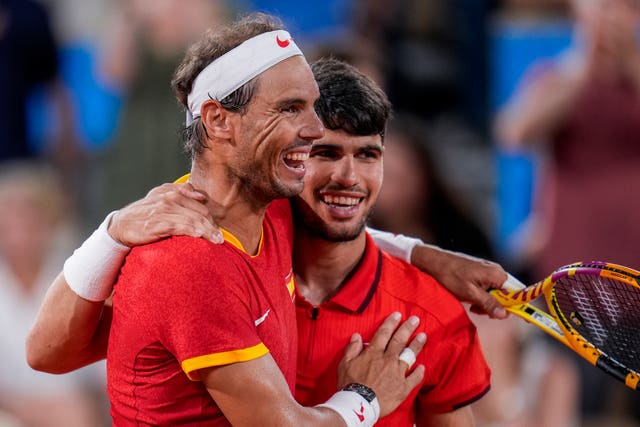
x: 594, y: 309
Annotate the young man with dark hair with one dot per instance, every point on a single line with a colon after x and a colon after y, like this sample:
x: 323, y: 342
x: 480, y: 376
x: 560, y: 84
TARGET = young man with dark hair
x: 345, y: 282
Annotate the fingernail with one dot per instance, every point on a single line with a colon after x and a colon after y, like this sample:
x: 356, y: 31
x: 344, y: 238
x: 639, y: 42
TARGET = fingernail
x: 421, y: 337
x: 396, y: 316
x: 414, y: 320
x: 217, y: 237
x: 355, y: 338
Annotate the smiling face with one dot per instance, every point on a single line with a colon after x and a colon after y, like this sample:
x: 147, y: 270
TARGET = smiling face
x: 344, y: 176
x: 275, y: 134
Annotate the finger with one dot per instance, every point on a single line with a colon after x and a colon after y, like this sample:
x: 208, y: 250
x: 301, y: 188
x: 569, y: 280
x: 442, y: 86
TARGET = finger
x: 415, y: 377
x: 417, y: 343
x: 385, y: 331
x: 188, y: 190
x: 182, y: 223
x: 499, y: 314
x: 177, y: 201
x: 493, y: 277
x: 487, y: 304
x: 161, y: 189
x: 354, y: 348
x: 409, y: 354
x: 401, y: 336
x: 201, y: 219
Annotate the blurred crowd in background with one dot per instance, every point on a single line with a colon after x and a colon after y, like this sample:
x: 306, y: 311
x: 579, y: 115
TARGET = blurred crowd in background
x: 516, y: 138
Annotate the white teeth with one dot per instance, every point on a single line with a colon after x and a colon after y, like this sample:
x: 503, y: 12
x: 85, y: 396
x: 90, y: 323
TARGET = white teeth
x: 341, y: 200
x: 299, y: 157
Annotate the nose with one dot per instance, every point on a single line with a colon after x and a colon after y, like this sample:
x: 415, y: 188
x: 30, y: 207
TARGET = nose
x: 345, y: 172
x: 313, y: 128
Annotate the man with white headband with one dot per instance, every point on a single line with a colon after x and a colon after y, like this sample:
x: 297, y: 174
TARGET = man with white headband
x: 205, y: 334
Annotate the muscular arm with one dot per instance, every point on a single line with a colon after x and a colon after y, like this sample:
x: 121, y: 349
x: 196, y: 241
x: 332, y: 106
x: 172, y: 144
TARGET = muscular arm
x: 465, y: 276
x: 272, y: 404
x: 227, y: 385
x: 69, y: 331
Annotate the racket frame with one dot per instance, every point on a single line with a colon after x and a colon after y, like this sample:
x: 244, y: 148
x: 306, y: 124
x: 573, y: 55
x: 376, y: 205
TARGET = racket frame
x: 516, y: 298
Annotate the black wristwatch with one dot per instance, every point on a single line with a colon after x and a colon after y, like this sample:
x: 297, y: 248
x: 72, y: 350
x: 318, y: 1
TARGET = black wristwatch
x: 362, y: 390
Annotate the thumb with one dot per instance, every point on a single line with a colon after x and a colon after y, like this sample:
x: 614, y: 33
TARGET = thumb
x: 354, y: 348
x: 486, y: 303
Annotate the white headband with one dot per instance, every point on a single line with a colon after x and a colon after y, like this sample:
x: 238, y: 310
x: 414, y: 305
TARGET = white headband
x: 236, y: 67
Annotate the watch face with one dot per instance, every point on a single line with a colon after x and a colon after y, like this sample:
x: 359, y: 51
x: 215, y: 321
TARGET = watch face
x: 362, y: 390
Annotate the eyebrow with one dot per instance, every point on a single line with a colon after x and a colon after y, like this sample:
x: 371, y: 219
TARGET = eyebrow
x: 368, y: 147
x: 371, y: 147
x: 290, y: 101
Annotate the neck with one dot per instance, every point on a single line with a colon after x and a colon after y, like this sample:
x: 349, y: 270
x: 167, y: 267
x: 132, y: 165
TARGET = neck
x: 231, y: 204
x: 321, y: 267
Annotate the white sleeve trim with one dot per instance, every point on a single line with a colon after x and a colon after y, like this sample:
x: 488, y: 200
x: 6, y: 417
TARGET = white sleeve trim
x: 396, y: 245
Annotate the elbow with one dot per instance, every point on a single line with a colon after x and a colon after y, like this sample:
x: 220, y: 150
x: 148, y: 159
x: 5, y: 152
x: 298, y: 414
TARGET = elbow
x: 35, y: 358
x: 41, y: 357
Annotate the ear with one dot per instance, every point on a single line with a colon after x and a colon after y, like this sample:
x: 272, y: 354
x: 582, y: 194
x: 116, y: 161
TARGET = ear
x: 215, y: 119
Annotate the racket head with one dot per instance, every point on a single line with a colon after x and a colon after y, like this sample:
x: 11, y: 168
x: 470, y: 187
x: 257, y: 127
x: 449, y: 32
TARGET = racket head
x: 597, y: 306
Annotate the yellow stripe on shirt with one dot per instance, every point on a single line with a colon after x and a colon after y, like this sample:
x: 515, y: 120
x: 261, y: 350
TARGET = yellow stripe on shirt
x: 191, y: 366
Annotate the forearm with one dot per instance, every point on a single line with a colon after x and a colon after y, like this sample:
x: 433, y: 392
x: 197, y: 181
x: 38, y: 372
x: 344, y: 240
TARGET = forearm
x: 375, y: 382
x: 432, y: 259
x: 72, y: 327
x: 261, y: 383
x: 465, y: 276
x: 69, y: 331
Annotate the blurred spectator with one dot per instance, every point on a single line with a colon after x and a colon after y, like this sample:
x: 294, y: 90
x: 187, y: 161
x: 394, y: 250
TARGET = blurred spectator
x: 434, y: 53
x: 533, y: 8
x: 355, y: 50
x: 416, y: 201
x: 28, y: 62
x: 34, y: 239
x: 583, y: 113
x: 145, y: 40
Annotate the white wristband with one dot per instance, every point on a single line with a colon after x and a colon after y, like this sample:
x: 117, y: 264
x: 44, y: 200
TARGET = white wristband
x: 354, y: 409
x: 92, y: 269
x: 396, y: 245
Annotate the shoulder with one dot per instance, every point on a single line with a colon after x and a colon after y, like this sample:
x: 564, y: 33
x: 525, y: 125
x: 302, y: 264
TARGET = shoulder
x: 180, y: 255
x: 176, y: 246
x: 403, y: 281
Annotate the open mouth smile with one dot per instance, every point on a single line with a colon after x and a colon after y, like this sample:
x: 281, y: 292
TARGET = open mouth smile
x: 341, y: 201
x: 295, y: 160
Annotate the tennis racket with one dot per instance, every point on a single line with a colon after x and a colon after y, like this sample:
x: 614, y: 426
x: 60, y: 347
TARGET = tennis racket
x: 594, y: 309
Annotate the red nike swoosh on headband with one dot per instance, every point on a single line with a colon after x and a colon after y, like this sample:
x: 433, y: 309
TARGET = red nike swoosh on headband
x: 282, y: 43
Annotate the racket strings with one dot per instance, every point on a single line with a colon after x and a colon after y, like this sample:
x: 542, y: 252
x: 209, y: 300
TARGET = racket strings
x: 606, y: 312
